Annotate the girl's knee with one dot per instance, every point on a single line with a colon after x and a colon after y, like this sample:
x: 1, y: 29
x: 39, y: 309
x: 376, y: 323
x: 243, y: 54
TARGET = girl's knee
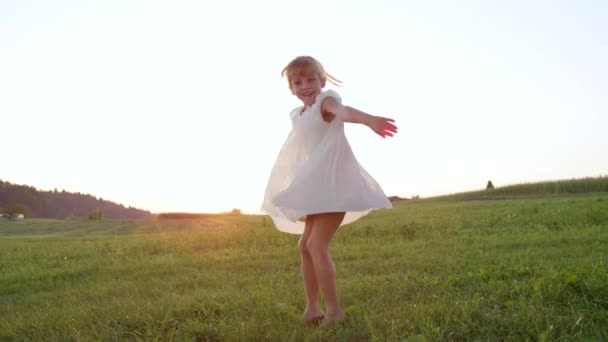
x: 315, y: 248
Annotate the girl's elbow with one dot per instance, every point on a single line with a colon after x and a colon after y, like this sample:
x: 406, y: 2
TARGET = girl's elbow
x: 348, y: 118
x: 349, y: 115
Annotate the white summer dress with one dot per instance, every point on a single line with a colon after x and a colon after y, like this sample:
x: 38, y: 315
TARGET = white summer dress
x: 317, y: 172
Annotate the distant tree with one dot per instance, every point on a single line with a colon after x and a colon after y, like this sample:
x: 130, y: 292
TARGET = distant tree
x: 236, y: 211
x: 393, y: 199
x: 489, y: 185
x: 96, y: 215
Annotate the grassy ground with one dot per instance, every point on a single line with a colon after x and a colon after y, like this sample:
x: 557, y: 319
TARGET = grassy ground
x: 515, y: 269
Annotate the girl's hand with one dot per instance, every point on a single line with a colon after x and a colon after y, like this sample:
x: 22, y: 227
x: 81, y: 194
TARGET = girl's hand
x: 383, y: 126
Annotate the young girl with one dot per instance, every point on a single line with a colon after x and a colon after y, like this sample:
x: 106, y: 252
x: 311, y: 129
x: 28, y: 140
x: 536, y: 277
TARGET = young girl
x: 316, y: 184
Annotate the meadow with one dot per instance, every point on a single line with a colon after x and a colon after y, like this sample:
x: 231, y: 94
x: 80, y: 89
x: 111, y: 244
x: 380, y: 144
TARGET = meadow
x: 512, y: 269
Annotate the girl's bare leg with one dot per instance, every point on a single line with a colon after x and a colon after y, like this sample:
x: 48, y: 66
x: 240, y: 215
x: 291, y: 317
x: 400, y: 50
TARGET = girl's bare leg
x: 323, y: 229
x: 313, y: 310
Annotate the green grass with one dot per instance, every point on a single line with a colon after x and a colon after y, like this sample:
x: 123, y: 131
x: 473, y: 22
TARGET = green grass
x: 534, y: 269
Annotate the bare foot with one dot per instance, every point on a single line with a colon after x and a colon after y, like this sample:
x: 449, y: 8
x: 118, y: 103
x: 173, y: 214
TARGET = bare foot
x: 337, y: 317
x: 312, y: 317
x: 314, y: 314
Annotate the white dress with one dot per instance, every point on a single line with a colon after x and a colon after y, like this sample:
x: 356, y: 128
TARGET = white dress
x: 317, y: 172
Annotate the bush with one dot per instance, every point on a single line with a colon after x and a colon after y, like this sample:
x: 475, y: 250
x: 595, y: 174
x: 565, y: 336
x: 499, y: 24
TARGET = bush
x: 13, y: 210
x: 96, y: 215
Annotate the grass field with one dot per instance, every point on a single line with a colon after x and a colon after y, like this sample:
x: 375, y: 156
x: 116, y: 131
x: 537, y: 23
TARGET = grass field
x: 515, y: 269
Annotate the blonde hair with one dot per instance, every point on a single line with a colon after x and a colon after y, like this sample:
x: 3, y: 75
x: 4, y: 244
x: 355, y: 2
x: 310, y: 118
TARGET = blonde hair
x: 306, y: 65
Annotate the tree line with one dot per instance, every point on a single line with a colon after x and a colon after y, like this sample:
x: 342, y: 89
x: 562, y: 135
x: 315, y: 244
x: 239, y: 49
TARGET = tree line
x: 61, y: 204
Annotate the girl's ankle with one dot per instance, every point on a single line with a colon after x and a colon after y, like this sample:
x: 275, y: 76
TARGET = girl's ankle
x: 313, y: 309
x: 334, y: 317
x: 329, y: 311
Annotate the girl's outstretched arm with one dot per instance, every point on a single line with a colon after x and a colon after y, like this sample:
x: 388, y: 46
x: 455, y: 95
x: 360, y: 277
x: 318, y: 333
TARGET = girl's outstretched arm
x: 331, y: 107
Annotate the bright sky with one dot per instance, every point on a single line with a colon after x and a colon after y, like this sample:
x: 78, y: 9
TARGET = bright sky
x: 179, y: 105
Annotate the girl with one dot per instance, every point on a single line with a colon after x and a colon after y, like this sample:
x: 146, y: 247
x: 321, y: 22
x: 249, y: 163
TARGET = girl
x: 316, y: 184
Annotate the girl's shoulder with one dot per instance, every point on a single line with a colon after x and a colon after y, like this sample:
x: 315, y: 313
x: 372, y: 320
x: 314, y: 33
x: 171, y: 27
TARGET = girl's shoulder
x: 330, y: 92
x: 325, y: 93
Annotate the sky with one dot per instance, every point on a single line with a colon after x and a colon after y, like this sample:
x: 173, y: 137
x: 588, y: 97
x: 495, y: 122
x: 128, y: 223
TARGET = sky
x: 180, y: 106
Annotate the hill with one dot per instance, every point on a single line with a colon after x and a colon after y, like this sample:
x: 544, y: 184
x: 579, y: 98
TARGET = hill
x: 61, y: 204
x: 580, y: 186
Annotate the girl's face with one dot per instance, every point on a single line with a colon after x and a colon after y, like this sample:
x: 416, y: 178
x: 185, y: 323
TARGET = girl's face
x: 307, y: 87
